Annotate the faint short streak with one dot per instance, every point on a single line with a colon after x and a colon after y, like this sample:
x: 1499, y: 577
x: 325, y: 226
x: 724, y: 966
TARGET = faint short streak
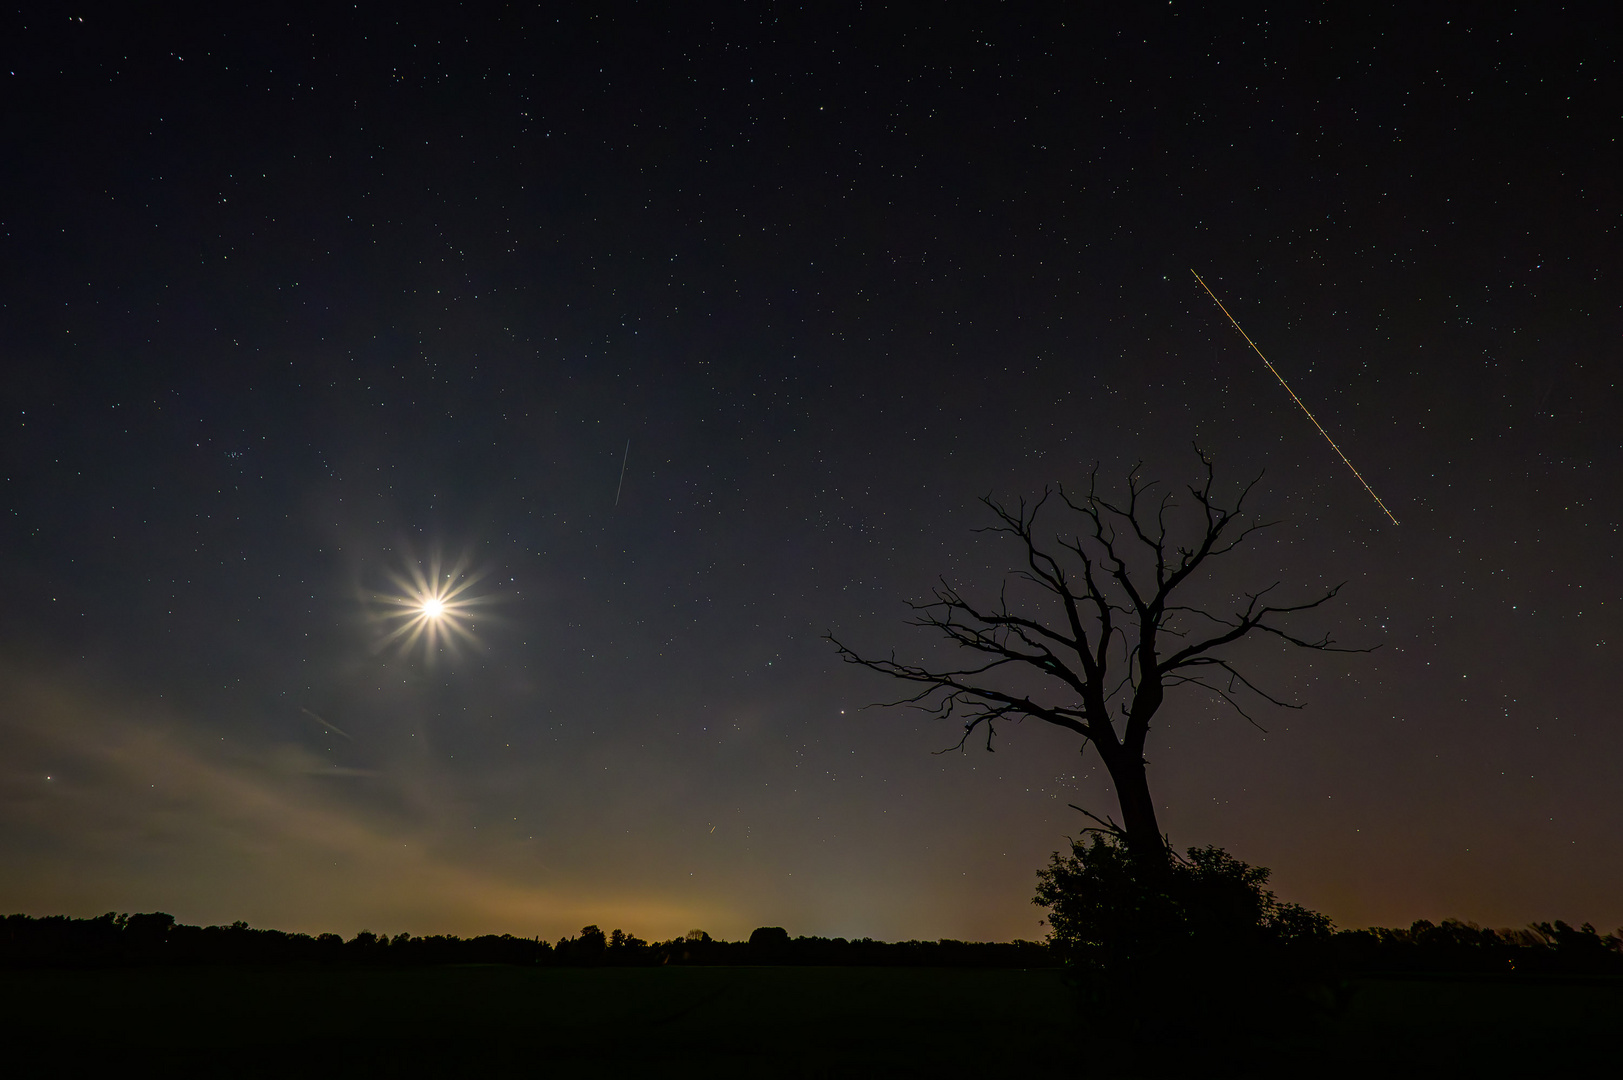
x: 626, y: 457
x: 324, y: 723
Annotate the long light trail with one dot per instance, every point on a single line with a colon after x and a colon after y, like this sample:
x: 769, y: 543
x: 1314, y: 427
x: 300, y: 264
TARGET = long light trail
x: 1305, y: 410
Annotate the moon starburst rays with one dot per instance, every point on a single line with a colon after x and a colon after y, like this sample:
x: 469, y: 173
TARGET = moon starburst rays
x: 433, y: 609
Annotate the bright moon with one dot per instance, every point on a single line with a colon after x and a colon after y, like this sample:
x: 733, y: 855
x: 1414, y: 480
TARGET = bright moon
x: 434, y: 608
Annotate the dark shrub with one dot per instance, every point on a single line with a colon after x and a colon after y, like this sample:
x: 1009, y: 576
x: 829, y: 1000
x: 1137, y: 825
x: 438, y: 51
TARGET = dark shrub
x: 1109, y: 912
x: 768, y: 944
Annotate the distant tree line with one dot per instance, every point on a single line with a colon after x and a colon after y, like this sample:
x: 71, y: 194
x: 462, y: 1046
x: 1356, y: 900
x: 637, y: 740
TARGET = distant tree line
x: 1456, y: 946
x: 1302, y: 939
x: 156, y: 938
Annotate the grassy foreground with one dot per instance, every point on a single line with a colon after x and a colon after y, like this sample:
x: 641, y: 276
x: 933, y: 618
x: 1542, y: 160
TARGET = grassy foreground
x: 752, y: 1021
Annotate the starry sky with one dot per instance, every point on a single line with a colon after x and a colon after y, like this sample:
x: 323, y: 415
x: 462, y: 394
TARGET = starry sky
x: 680, y: 336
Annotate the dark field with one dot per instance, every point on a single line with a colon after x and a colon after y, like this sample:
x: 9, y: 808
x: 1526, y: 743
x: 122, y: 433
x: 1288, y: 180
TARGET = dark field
x: 758, y: 1021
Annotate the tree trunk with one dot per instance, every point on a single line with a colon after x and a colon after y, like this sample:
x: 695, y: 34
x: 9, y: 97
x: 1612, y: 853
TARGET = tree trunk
x: 1144, y: 840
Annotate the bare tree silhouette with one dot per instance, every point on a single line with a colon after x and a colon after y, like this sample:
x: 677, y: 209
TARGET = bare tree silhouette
x: 1116, y: 640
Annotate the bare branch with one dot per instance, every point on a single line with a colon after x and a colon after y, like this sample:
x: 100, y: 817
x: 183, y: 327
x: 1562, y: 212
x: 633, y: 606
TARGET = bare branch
x: 1106, y: 824
x: 1105, y: 653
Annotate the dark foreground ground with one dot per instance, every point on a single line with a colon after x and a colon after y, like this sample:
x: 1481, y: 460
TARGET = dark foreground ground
x: 760, y: 1021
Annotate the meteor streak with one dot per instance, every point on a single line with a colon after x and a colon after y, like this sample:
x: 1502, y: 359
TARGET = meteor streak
x: 1305, y: 411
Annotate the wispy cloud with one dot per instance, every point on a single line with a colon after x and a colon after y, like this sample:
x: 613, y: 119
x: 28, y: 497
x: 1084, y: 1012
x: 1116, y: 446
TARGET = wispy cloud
x: 109, y: 805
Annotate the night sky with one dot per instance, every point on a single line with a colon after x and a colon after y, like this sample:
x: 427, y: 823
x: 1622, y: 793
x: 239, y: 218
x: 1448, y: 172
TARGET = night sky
x: 294, y: 305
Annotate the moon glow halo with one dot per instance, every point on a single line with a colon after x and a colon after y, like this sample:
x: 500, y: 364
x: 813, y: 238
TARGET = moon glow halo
x: 432, y: 609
